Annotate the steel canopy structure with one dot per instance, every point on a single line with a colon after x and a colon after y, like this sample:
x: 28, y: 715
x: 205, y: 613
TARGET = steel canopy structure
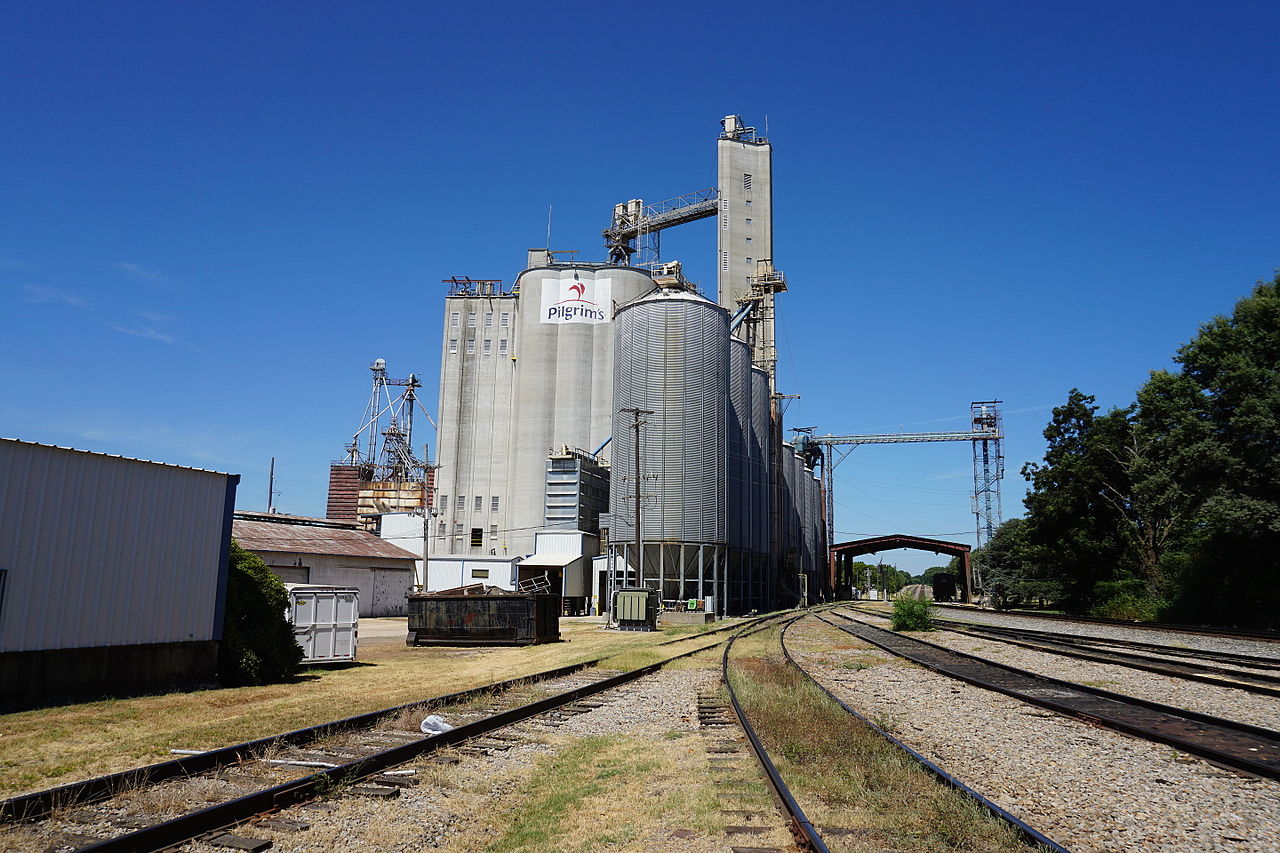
x: 986, y: 434
x: 876, y: 544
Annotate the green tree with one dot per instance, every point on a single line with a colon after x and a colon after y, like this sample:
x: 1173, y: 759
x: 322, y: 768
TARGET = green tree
x: 1217, y: 420
x: 1074, y: 528
x: 257, y: 641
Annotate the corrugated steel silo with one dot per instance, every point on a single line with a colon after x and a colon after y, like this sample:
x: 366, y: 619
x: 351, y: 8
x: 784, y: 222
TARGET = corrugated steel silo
x: 761, y: 458
x: 741, y: 496
x: 673, y: 354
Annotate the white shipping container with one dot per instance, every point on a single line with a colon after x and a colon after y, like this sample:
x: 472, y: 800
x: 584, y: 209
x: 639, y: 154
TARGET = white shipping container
x: 325, y: 621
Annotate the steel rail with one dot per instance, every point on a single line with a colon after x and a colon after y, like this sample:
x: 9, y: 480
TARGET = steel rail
x: 732, y: 627
x: 39, y: 804
x: 1260, y: 683
x: 1210, y: 737
x: 1251, y: 661
x: 222, y: 816
x: 807, y: 835
x: 1266, y: 636
x: 1029, y: 833
x: 1086, y: 648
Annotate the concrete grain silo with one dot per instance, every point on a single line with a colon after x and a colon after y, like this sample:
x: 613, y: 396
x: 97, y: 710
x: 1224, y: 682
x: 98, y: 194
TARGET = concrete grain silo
x: 564, y: 360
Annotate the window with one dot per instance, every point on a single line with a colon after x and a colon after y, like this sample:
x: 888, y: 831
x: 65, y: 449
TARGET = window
x: 746, y: 182
x: 724, y: 260
x: 502, y: 347
x: 493, y: 534
x: 471, y: 320
x: 504, y: 320
x: 457, y: 527
x: 493, y: 505
x: 749, y: 260
x: 444, y: 503
x: 748, y: 239
x: 453, y: 346
x: 471, y: 346
x: 488, y: 347
x: 479, y: 503
x: 461, y: 503
x: 479, y: 573
x: 477, y: 537
x: 455, y: 319
x: 488, y: 318
x: 440, y: 529
x: 748, y: 220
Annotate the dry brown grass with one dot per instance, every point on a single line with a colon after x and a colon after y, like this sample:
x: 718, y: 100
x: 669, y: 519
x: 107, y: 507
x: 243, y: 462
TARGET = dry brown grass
x: 52, y: 746
x: 844, y: 774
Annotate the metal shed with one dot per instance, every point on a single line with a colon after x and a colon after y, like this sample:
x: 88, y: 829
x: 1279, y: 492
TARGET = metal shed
x: 113, y: 573
x: 333, y: 553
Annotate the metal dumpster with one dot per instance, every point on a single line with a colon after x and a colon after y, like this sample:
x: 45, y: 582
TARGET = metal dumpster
x: 452, y: 619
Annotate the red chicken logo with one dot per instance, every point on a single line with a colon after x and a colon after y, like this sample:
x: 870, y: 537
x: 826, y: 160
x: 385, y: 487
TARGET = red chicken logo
x: 578, y: 288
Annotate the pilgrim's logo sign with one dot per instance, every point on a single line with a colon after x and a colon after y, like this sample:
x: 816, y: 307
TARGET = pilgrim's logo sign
x: 577, y: 300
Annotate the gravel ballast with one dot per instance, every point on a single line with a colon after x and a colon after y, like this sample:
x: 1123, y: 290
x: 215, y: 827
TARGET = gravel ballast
x: 1088, y: 788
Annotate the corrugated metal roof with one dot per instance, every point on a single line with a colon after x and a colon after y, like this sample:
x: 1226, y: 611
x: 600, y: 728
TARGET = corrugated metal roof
x: 115, y: 456
x: 256, y: 534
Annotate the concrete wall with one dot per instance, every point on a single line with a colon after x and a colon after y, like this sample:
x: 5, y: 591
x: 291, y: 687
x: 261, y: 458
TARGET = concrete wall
x: 474, y: 445
x: 382, y: 582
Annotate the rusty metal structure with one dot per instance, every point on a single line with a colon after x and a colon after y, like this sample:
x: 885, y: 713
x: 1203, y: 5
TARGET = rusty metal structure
x: 380, y: 471
x: 985, y: 433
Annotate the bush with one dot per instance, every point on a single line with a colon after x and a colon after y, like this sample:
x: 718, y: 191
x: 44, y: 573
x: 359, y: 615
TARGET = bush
x: 1127, y: 599
x: 257, y: 641
x: 912, y: 614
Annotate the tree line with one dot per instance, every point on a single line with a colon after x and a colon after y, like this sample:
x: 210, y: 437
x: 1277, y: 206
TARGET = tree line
x: 1168, y: 508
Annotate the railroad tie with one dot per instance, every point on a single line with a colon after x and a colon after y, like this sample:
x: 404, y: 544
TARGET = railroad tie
x: 284, y: 824
x: 377, y: 791
x: 238, y: 842
x: 70, y: 841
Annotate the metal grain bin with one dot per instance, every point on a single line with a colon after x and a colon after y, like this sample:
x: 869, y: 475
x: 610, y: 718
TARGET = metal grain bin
x: 673, y: 360
x: 636, y: 609
x: 483, y: 620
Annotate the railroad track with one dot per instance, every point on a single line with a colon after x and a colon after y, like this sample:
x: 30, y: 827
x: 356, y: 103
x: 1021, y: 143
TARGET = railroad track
x: 345, y: 764
x: 1101, y: 650
x: 1226, y: 633
x: 1240, y: 746
x: 807, y: 835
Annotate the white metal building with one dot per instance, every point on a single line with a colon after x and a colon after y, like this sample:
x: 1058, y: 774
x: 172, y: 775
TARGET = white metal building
x: 331, y: 553
x: 113, y: 573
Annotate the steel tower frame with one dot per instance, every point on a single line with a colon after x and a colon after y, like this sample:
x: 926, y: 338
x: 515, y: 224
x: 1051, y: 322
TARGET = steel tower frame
x: 986, y: 434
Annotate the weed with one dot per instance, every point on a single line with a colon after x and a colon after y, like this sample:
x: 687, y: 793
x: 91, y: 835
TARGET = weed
x: 912, y: 614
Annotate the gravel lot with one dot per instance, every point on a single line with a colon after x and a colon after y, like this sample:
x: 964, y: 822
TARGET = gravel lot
x: 1087, y: 788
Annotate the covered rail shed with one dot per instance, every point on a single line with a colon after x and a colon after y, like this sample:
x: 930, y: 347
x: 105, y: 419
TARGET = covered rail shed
x: 843, y: 553
x: 322, y: 551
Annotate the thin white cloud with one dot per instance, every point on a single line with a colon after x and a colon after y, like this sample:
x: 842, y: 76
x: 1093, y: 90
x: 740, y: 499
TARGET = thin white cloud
x: 15, y: 264
x: 154, y: 317
x: 41, y: 293
x: 141, y: 272
x: 147, y: 332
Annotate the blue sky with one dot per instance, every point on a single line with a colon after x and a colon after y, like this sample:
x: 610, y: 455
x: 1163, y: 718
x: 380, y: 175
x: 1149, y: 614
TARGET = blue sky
x: 214, y: 217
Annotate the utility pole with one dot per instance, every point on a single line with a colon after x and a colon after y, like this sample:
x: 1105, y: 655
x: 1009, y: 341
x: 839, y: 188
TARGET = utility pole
x: 636, y: 424
x: 271, y: 487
